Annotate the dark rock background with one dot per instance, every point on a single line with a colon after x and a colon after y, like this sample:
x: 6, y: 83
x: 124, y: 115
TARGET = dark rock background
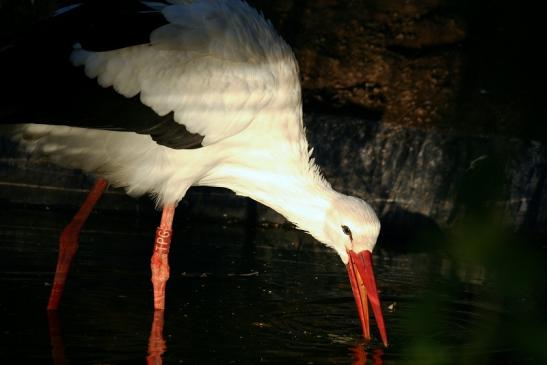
x: 431, y: 110
x: 473, y: 66
x: 417, y: 177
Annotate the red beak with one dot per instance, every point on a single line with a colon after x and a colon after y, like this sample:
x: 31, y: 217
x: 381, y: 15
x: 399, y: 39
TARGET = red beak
x: 363, y: 285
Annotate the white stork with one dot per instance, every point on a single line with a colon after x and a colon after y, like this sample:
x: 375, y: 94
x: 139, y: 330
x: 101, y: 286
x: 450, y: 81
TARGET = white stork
x: 156, y: 97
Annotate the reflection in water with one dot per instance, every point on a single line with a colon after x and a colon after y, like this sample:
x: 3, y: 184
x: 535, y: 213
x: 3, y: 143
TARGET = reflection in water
x: 156, y: 342
x: 266, y: 301
x: 361, y: 356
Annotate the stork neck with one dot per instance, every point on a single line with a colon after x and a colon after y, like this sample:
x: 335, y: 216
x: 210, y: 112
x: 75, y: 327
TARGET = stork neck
x: 303, y: 198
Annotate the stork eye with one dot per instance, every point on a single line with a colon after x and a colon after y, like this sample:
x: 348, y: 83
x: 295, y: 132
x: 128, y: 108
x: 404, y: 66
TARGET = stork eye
x: 347, y: 232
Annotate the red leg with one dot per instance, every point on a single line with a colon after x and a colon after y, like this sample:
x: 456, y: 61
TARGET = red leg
x: 57, y: 347
x: 159, y: 261
x: 68, y: 243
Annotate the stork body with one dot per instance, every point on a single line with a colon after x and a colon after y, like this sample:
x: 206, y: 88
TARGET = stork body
x: 211, y: 98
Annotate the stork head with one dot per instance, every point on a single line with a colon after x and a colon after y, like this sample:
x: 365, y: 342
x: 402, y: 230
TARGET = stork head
x: 351, y: 225
x: 352, y: 228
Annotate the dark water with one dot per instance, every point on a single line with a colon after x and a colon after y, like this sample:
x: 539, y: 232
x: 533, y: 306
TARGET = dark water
x: 246, y: 296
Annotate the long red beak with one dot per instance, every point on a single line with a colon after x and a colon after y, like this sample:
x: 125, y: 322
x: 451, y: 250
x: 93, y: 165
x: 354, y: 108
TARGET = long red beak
x: 363, y: 285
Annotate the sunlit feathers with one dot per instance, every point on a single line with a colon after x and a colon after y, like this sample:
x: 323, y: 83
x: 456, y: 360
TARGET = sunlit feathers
x: 226, y: 75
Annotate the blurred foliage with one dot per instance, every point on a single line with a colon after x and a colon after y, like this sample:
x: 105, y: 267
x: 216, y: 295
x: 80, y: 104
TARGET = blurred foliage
x: 515, y: 300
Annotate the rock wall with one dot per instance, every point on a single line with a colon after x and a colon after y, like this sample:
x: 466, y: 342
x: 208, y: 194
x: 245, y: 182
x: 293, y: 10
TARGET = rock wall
x: 412, y: 177
x: 398, y: 58
x: 457, y: 65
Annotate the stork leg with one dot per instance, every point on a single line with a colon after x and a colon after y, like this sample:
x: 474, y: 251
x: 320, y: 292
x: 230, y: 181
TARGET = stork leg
x: 68, y: 243
x: 159, y: 262
x: 57, y: 346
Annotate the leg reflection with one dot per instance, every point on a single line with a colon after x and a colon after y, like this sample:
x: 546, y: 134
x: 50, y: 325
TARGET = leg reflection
x: 156, y: 342
x: 360, y: 355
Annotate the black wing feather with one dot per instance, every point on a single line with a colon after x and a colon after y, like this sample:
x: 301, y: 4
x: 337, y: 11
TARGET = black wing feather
x: 40, y: 85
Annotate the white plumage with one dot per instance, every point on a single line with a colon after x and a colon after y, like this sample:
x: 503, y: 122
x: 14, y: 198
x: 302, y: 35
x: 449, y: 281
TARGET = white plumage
x: 226, y: 75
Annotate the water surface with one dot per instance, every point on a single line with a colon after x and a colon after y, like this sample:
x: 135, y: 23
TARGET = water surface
x: 242, y: 296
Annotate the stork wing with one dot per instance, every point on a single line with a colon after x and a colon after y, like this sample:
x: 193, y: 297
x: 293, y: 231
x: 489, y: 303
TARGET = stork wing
x: 214, y: 65
x: 188, y: 73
